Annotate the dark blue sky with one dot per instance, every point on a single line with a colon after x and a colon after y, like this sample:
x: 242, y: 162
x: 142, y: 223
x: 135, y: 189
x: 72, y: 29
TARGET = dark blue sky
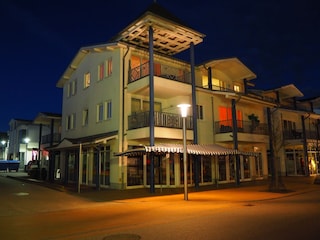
x: 277, y: 39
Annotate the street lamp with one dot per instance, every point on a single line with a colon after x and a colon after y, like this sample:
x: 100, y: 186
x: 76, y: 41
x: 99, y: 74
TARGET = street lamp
x: 184, y: 113
x: 3, y: 142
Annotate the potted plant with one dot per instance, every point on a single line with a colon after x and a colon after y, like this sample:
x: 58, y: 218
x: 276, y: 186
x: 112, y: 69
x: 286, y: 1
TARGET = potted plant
x: 254, y: 121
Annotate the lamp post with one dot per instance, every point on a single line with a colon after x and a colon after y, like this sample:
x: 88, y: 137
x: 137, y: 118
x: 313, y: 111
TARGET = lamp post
x: 184, y: 113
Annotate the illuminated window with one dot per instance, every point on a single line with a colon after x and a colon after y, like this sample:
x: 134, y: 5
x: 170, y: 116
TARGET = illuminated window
x: 236, y: 88
x: 218, y: 84
x: 225, y: 116
x: 87, y: 80
x: 85, y: 117
x: 109, y: 67
x: 101, y: 71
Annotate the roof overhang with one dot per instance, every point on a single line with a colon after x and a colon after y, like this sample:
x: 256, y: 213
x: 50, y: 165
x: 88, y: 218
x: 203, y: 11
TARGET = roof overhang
x: 169, y: 37
x: 82, y: 53
x: 232, y: 67
x: 287, y: 91
x: 46, y: 118
x: 86, y: 141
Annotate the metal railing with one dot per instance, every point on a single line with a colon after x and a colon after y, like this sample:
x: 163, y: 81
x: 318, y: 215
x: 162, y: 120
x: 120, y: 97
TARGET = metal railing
x: 161, y: 119
x: 243, y: 127
x: 160, y: 70
x: 298, y: 134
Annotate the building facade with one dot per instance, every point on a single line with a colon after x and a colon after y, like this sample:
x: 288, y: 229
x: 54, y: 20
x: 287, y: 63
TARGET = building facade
x: 120, y: 104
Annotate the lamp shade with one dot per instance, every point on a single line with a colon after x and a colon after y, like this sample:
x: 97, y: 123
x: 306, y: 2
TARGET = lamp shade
x: 184, y: 109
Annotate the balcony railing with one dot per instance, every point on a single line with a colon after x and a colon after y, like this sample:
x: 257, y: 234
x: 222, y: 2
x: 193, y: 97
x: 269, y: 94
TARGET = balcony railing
x: 161, y: 119
x: 243, y: 127
x: 298, y: 134
x: 160, y: 70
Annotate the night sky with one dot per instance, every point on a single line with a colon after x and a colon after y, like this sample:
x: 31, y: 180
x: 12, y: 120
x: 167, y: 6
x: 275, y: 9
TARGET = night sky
x: 277, y: 39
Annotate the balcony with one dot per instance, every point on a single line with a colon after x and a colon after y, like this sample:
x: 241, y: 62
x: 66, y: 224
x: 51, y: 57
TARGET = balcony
x: 243, y: 127
x: 46, y: 139
x: 160, y: 70
x: 298, y: 134
x: 161, y: 119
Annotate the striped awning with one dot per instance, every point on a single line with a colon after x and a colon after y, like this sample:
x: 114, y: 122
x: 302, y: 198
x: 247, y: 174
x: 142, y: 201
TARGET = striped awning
x: 194, y: 149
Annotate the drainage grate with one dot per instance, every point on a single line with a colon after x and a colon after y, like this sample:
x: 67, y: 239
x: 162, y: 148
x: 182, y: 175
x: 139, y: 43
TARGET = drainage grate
x: 122, y: 237
x: 249, y: 205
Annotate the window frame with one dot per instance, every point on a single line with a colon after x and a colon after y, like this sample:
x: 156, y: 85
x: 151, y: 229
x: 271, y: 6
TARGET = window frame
x: 85, y: 117
x: 86, y: 80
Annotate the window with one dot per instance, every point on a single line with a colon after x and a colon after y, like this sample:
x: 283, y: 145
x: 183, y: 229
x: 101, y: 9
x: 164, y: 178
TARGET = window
x: 199, y: 112
x: 99, y: 112
x: 225, y: 116
x: 71, y: 121
x: 135, y: 105
x: 218, y: 84
x: 109, y: 67
x: 108, y: 107
x: 101, y: 71
x: 87, y: 80
x: 143, y: 106
x: 72, y: 88
x: 85, y: 117
x: 69, y: 90
x: 146, y: 106
x: 236, y: 88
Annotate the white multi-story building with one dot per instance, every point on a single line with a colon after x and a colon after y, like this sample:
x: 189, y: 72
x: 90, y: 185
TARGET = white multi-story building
x: 121, y: 126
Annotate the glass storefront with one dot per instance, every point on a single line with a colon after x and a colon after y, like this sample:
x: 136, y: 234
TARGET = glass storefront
x: 135, y: 170
x: 222, y: 166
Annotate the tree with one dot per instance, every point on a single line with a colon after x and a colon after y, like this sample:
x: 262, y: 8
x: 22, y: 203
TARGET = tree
x: 277, y: 144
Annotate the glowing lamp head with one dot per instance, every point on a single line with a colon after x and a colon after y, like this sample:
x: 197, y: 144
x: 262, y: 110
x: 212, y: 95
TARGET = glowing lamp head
x: 184, y: 109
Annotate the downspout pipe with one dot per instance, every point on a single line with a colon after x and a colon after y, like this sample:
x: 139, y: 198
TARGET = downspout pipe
x: 194, y: 115
x: 194, y: 100
x: 39, y: 151
x: 51, y: 157
x: 210, y: 78
x: 151, y: 110
x: 272, y: 160
x: 305, y: 149
x: 235, y: 140
x: 123, y: 113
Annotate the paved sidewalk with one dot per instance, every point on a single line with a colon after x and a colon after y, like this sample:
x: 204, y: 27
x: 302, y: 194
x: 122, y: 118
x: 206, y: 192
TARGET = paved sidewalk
x: 247, y: 191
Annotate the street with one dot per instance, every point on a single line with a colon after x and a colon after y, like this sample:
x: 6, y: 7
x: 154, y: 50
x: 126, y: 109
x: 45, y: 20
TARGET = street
x: 30, y: 211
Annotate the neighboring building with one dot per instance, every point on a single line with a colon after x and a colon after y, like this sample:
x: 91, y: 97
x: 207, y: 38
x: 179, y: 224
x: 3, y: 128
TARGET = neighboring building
x: 4, y: 138
x: 296, y: 131
x: 50, y: 131
x: 121, y: 96
x: 25, y: 143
